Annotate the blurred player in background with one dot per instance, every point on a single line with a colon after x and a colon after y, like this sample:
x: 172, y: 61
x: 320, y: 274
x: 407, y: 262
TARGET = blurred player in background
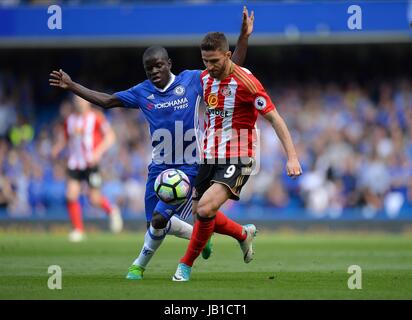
x: 88, y: 135
x: 234, y: 98
x: 170, y: 103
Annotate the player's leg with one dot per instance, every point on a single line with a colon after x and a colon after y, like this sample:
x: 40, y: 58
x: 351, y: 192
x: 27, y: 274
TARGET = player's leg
x: 166, y: 221
x: 244, y: 234
x: 215, y: 196
x: 178, y: 225
x: 162, y: 215
x: 158, y: 215
x: 160, y: 226
x: 181, y: 229
x: 204, y: 226
x: 208, y: 249
x: 228, y: 180
x: 74, y: 209
x: 97, y: 199
x: 139, y: 264
x: 161, y: 223
x: 202, y: 183
x: 234, y: 176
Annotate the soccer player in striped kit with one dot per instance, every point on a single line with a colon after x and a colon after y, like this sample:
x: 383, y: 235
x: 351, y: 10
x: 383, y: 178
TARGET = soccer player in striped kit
x: 169, y: 103
x: 234, y: 98
x: 88, y: 135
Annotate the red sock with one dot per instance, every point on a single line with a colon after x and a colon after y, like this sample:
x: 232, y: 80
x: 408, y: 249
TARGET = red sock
x: 75, y: 213
x: 105, y: 205
x: 224, y: 225
x: 202, y: 231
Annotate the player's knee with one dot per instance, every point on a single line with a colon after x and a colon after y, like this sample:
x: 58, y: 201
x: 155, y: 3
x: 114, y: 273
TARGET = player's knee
x: 94, y: 199
x: 158, y: 221
x: 71, y: 197
x: 206, y: 209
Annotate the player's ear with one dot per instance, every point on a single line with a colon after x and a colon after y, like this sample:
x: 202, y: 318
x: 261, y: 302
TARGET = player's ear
x: 228, y: 54
x: 169, y: 61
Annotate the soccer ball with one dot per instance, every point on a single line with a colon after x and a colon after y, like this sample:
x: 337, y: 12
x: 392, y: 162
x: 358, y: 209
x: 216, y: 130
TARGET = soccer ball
x: 172, y: 186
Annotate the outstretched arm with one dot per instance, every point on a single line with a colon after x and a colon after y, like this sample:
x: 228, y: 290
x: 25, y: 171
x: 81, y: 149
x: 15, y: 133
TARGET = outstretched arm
x: 239, y: 55
x: 62, y: 79
x: 292, y: 166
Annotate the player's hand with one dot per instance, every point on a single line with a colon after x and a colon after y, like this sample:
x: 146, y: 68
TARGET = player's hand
x: 95, y: 158
x: 293, y: 168
x: 247, y: 23
x: 60, y: 79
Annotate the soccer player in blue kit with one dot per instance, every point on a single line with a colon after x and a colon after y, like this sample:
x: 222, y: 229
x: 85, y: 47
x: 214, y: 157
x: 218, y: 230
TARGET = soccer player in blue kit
x: 170, y: 104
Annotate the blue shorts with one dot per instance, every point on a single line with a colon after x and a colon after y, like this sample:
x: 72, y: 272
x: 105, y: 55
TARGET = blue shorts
x: 182, y: 210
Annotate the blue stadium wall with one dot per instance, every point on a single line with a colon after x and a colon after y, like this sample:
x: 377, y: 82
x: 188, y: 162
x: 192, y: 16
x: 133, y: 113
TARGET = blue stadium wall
x: 184, y: 24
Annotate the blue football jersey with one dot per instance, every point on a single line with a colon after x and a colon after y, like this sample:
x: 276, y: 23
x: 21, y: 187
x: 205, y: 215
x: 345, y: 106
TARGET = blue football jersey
x: 171, y: 114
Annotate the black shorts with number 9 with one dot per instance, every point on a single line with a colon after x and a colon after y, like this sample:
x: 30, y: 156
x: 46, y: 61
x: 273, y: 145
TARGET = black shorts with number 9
x: 233, y: 176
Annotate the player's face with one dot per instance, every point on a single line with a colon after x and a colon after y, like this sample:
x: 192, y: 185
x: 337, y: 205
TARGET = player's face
x: 216, y: 62
x: 158, y: 70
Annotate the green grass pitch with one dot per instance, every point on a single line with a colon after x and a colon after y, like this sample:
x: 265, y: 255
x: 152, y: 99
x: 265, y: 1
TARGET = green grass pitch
x: 286, y: 266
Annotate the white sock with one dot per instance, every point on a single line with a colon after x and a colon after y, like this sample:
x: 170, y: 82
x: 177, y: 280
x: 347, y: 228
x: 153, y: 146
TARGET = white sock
x: 150, y: 246
x: 180, y: 228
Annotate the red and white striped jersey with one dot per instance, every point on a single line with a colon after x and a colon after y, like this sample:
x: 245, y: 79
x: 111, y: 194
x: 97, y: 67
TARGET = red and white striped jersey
x: 84, y: 132
x: 232, y: 107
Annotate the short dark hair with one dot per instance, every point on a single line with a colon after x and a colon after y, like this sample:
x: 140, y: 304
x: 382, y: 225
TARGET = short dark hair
x: 214, y: 41
x: 155, y: 51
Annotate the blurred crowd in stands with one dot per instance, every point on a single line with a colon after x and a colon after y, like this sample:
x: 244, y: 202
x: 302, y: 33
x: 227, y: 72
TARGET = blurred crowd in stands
x: 32, y: 184
x: 355, y: 146
x: 354, y: 143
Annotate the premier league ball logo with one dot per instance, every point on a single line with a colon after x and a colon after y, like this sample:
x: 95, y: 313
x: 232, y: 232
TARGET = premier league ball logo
x: 260, y: 103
